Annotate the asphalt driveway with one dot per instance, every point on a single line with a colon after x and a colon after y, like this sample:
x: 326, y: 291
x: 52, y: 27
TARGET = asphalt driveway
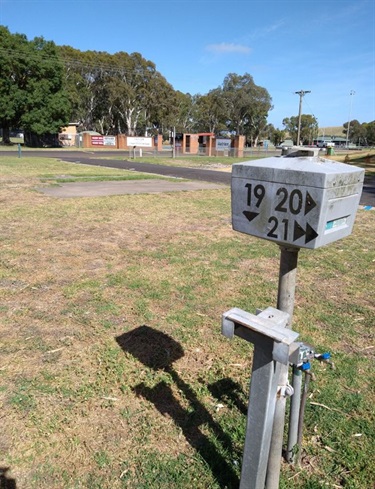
x: 155, y: 169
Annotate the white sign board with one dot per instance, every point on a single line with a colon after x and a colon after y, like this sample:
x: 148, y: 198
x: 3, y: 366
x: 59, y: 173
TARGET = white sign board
x: 139, y: 141
x: 109, y: 140
x: 223, y: 144
x: 302, y: 202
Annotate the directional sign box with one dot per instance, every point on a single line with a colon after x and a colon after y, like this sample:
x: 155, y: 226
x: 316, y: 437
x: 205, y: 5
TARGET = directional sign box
x: 305, y: 202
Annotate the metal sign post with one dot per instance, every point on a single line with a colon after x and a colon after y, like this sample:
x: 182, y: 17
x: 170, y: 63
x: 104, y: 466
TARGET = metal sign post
x: 272, y: 343
x: 296, y: 201
x: 285, y: 302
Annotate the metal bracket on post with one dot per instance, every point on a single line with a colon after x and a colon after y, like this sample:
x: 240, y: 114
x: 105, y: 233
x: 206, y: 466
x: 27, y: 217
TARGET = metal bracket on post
x: 273, y: 345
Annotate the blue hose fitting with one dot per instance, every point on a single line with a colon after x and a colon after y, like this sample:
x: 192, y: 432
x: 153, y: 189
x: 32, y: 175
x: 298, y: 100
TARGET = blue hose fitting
x: 305, y: 366
x: 323, y: 356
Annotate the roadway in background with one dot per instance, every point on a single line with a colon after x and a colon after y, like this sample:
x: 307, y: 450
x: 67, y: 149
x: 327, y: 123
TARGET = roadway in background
x: 213, y: 176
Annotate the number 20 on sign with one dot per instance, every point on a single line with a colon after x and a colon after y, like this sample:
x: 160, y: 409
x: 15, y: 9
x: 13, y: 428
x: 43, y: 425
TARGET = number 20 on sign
x: 279, y: 212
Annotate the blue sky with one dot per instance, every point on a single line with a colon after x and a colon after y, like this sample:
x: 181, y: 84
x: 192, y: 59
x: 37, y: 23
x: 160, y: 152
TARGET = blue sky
x: 327, y: 47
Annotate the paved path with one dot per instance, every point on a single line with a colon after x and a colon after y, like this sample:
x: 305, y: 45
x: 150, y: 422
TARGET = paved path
x: 164, y: 170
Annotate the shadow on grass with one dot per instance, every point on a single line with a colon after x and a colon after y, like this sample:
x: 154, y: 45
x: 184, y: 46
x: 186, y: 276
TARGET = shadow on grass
x: 5, y: 481
x: 231, y: 393
x: 157, y: 350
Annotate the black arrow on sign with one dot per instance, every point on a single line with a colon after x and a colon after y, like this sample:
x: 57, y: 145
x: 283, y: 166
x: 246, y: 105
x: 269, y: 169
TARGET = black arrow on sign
x: 250, y: 215
x: 309, y: 204
x: 309, y: 233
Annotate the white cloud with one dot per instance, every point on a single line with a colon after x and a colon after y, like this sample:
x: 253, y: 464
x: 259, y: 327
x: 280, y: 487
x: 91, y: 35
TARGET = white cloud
x: 225, y: 48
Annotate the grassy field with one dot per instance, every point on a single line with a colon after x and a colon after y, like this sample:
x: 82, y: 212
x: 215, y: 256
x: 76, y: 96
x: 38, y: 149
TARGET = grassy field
x: 364, y: 159
x: 332, y: 131
x: 113, y: 370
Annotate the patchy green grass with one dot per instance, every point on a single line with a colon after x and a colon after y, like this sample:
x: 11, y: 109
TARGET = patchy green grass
x: 364, y: 159
x: 49, y: 170
x: 113, y: 370
x: 200, y: 160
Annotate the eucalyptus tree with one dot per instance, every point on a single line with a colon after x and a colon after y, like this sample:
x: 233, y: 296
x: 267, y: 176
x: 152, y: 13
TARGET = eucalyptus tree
x: 117, y: 93
x: 210, y: 113
x: 159, y: 105
x: 357, y: 131
x: 89, y: 75
x: 370, y: 133
x: 74, y: 79
x: 184, y: 112
x: 247, y: 105
x: 309, y: 127
x: 158, y: 108
x: 276, y: 136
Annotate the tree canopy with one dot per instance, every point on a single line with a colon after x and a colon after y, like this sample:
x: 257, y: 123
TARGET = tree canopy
x: 119, y: 93
x: 238, y: 107
x: 309, y: 128
x: 247, y: 105
x: 43, y: 87
x: 361, y: 134
x: 32, y: 94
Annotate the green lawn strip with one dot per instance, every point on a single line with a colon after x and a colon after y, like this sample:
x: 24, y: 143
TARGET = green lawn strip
x: 114, y: 372
x: 363, y: 159
x: 191, y: 161
x: 50, y: 170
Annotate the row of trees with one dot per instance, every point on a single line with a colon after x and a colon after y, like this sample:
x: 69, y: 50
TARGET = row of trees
x: 113, y: 94
x: 43, y: 87
x: 361, y: 134
x: 124, y: 93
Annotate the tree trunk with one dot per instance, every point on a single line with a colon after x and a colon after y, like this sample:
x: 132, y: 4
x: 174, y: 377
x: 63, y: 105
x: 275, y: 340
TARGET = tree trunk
x: 6, y: 135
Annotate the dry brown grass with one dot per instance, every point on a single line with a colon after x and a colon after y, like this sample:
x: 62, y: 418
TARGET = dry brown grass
x: 90, y: 397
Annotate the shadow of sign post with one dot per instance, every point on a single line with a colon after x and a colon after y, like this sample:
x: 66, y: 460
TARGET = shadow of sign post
x: 158, y: 351
x: 6, y: 482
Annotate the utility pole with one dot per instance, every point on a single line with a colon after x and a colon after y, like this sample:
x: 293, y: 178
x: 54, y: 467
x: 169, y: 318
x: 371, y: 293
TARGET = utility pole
x: 352, y: 92
x: 301, y: 93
